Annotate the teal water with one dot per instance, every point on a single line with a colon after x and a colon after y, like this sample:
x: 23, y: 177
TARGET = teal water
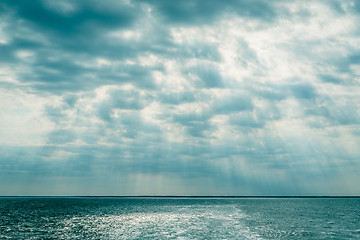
x: 169, y: 218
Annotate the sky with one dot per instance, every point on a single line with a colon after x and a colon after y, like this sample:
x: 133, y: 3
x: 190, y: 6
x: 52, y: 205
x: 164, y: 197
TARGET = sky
x: 157, y: 97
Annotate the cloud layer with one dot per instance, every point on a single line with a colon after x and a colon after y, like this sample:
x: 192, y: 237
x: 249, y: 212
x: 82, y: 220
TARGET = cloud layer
x: 180, y: 97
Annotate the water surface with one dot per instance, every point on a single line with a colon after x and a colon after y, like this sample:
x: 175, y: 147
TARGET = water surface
x: 185, y: 218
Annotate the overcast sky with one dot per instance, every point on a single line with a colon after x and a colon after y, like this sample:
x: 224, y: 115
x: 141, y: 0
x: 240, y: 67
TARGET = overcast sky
x: 200, y: 97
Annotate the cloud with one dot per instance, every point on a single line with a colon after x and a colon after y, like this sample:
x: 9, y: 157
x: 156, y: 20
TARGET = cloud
x: 229, y: 104
x: 330, y: 79
x: 303, y: 91
x: 246, y: 120
x: 208, y: 75
x: 61, y: 136
x: 46, y: 17
x: 198, y: 12
x: 116, y: 97
x: 177, y: 97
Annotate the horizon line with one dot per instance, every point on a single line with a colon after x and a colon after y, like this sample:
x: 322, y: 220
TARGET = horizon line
x: 181, y: 196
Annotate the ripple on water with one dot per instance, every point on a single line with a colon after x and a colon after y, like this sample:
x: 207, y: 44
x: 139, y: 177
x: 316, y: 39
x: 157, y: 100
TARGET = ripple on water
x: 35, y: 218
x: 175, y: 222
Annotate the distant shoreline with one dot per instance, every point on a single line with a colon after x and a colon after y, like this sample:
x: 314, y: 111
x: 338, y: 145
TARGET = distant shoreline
x: 180, y: 196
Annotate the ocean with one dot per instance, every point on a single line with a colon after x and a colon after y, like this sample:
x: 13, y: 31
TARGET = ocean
x: 179, y: 218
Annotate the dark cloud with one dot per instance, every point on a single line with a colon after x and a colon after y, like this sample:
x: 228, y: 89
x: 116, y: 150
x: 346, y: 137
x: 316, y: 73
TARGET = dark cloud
x: 196, y: 123
x: 87, y: 17
x: 199, y: 129
x: 70, y: 100
x: 334, y: 112
x: 188, y: 118
x: 303, y: 91
x: 330, y: 79
x: 270, y: 91
x: 122, y: 100
x: 61, y: 137
x: 105, y: 111
x: 355, y: 6
x: 63, y: 45
x: 230, y: 104
x: 354, y: 59
x: 198, y: 50
x: 54, y: 113
x: 210, y: 76
x: 6, y: 54
x: 200, y: 12
x: 126, y: 99
x: 247, y: 120
x: 177, y: 97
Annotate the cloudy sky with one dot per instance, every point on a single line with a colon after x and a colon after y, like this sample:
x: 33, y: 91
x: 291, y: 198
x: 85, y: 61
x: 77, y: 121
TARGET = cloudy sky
x: 140, y: 97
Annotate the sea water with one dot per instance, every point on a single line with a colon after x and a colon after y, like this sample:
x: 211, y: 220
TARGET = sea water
x: 179, y: 218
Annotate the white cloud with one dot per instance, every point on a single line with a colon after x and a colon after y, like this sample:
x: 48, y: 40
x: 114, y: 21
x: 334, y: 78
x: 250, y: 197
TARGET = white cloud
x: 22, y: 122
